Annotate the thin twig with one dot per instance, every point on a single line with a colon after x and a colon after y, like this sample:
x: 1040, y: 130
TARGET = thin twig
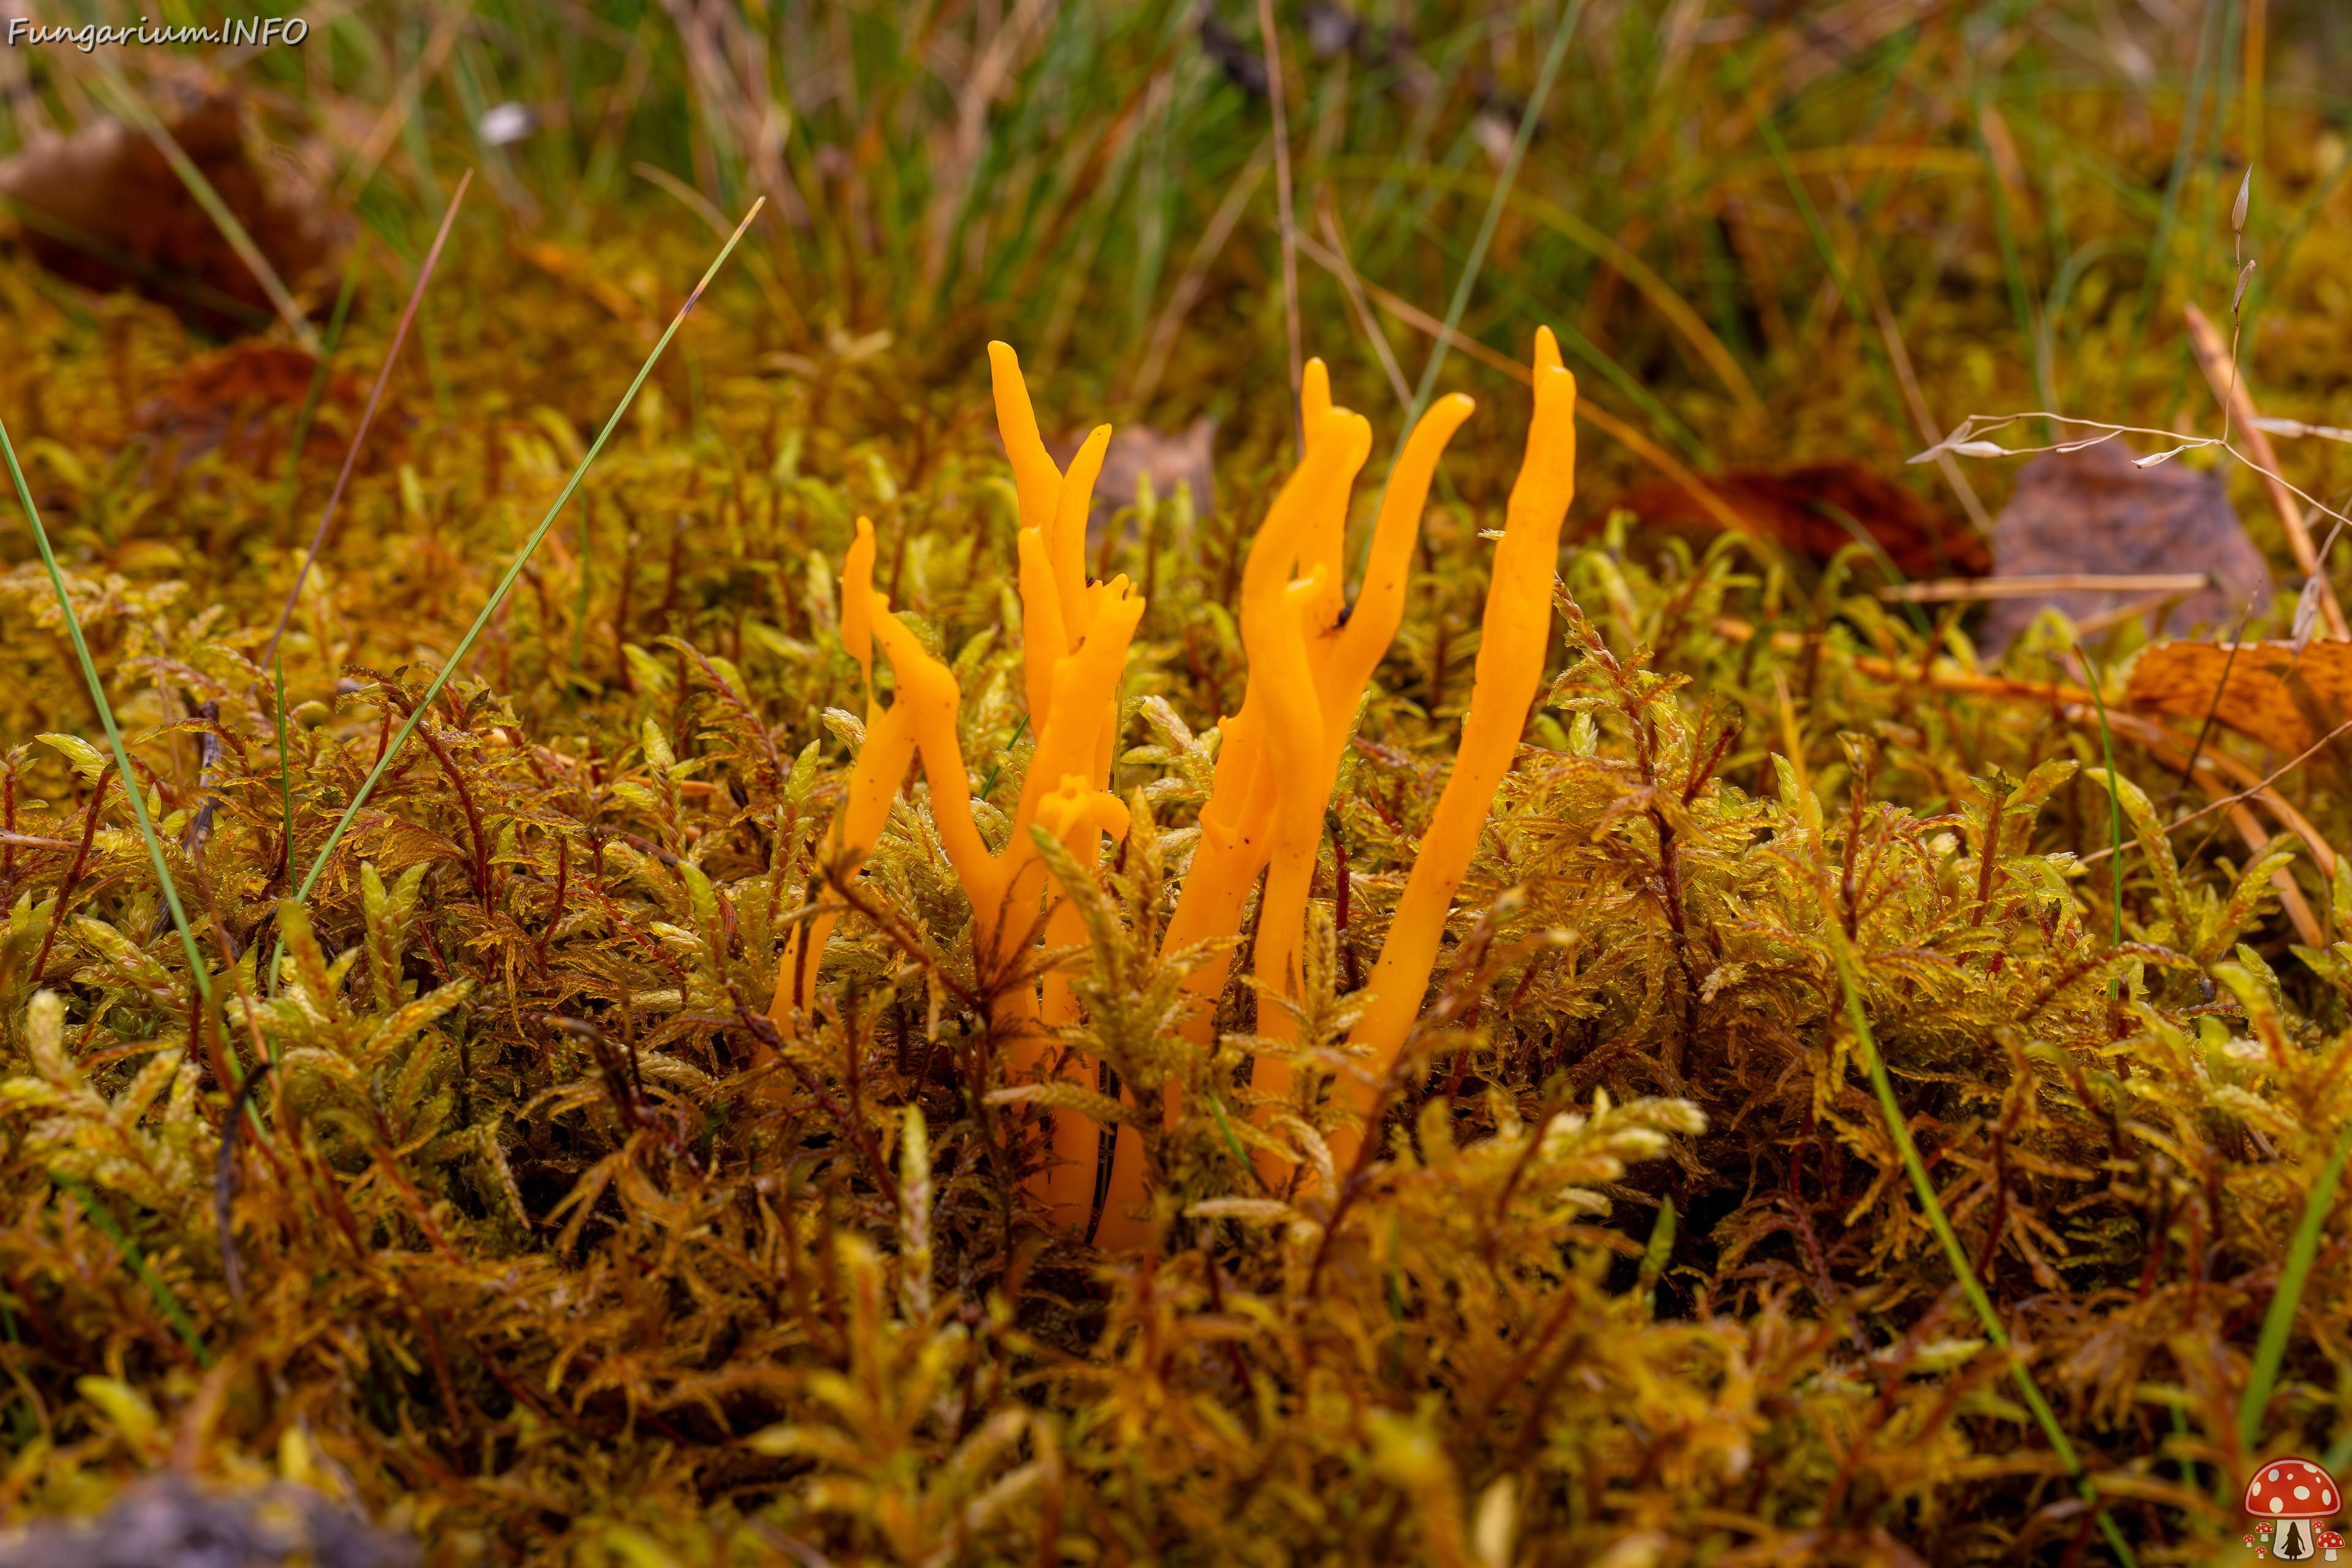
x: 860, y: 1136
x: 1327, y: 215
x: 2213, y: 712
x: 2247, y: 794
x: 73, y: 873
x: 1946, y: 590
x: 367, y: 418
x: 224, y: 1178
x: 908, y: 940
x: 1968, y: 441
x: 2238, y: 409
x: 1899, y: 356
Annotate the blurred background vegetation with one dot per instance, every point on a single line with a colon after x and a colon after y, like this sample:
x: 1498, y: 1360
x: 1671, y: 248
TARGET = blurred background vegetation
x: 1763, y: 230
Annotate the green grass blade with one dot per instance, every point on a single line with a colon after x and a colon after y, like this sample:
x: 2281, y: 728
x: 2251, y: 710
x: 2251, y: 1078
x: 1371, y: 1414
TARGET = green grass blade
x: 1940, y: 1223
x: 1562, y: 36
x: 168, y: 1304
x: 285, y: 773
x: 522, y: 558
x: 578, y: 614
x: 197, y: 975
x: 2278, y: 1323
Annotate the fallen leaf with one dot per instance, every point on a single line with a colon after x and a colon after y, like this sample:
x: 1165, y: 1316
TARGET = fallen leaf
x: 1806, y: 509
x: 2094, y: 511
x: 246, y: 397
x: 102, y: 208
x: 2285, y: 702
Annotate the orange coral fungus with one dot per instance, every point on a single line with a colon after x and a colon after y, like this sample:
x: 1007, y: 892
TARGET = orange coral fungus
x: 1510, y: 666
x: 1078, y: 636
x: 1310, y: 657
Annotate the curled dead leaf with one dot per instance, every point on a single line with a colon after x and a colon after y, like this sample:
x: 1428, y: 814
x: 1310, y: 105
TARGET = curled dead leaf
x: 2285, y: 701
x: 102, y: 208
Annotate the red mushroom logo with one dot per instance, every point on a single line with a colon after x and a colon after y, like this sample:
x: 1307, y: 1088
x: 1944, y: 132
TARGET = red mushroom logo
x: 2290, y: 1495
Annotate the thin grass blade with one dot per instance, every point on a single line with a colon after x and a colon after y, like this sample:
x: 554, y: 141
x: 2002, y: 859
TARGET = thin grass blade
x: 2115, y: 802
x: 1995, y: 1329
x: 522, y: 558
x: 1562, y: 36
x: 284, y: 774
x: 168, y: 1304
x: 319, y: 374
x: 367, y: 418
x: 2278, y: 1323
x: 1899, y: 1129
x: 197, y: 974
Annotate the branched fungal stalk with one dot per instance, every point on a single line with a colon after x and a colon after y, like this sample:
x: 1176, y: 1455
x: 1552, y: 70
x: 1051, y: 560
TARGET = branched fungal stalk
x: 1311, y: 656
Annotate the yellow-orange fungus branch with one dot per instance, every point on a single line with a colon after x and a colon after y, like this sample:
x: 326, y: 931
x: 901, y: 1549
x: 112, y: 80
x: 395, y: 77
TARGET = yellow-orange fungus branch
x: 1279, y: 756
x: 1311, y: 660
x: 1510, y: 666
x: 1075, y: 652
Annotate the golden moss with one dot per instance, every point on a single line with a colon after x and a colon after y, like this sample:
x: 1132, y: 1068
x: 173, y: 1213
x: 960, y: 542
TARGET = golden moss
x: 552, y: 1235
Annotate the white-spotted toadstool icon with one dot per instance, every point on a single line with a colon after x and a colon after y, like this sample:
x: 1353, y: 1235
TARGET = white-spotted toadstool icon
x: 2291, y: 1494
x: 2330, y: 1542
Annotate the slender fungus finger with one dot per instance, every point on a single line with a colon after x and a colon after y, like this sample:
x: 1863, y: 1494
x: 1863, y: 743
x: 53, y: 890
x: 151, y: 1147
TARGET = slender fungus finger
x: 857, y: 606
x: 1268, y: 748
x: 873, y: 783
x: 927, y: 695
x: 1510, y: 667
x: 1280, y: 752
x: 1072, y: 815
x: 1036, y: 479
x: 1296, y: 746
x: 1236, y: 817
x: 1273, y: 775
x: 1379, y: 599
x: 1067, y: 545
x: 1315, y: 396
